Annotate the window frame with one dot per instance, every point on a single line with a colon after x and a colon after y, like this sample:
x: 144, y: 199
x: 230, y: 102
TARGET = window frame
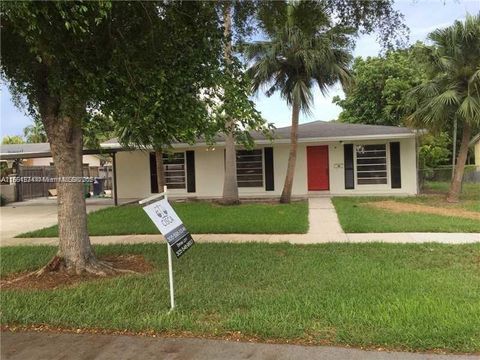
x: 165, y: 171
x: 262, y: 169
x: 386, y: 184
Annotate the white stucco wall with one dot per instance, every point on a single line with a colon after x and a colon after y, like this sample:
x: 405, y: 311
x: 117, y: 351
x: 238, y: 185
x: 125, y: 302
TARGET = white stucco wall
x: 407, y: 169
x: 133, y: 172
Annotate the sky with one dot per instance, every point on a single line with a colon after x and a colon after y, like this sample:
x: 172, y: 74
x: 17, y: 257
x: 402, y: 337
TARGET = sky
x: 421, y: 16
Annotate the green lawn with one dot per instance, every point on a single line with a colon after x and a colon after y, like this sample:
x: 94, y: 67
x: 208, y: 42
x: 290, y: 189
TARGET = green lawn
x: 356, y: 217
x: 199, y: 218
x: 412, y: 297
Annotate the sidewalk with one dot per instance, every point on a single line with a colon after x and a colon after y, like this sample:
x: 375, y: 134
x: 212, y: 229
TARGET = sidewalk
x: 324, y: 228
x: 51, y: 346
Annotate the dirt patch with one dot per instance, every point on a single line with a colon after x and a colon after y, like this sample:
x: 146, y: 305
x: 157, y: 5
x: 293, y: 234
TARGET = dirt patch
x: 54, y: 280
x: 418, y: 208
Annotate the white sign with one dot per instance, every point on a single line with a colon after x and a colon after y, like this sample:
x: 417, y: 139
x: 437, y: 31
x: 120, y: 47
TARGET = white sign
x: 163, y: 216
x: 170, y: 225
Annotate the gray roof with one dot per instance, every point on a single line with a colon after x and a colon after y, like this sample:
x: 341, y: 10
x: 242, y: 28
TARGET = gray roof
x: 333, y: 129
x: 24, y: 148
x: 321, y: 130
x: 34, y: 150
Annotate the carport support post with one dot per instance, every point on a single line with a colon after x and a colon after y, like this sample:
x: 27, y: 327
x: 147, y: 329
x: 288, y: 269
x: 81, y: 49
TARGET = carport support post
x: 18, y: 189
x: 170, y: 265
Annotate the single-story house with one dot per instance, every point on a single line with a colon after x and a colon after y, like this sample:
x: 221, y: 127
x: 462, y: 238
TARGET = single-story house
x: 333, y: 158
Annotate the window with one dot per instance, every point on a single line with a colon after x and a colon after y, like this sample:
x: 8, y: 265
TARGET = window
x: 249, y: 168
x: 174, y: 167
x: 371, y: 164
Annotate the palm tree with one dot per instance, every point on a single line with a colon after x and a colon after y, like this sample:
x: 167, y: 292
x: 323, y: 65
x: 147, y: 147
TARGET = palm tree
x: 452, y: 91
x: 35, y: 133
x: 302, y: 49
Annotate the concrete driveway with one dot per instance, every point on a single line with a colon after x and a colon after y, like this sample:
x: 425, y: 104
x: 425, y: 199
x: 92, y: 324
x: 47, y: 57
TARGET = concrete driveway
x: 20, y: 217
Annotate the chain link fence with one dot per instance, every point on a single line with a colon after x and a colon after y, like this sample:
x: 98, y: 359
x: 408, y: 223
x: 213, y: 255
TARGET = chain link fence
x: 437, y: 178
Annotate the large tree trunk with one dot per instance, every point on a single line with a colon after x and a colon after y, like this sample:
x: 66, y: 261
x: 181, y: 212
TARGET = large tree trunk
x: 161, y: 182
x: 230, y: 186
x: 292, y: 158
x: 66, y: 145
x: 75, y: 253
x: 456, y: 184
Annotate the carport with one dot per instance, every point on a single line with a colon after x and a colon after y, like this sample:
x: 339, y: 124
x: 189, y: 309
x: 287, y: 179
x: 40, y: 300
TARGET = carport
x: 12, y: 154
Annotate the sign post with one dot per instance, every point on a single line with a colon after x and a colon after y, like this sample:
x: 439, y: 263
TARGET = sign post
x: 170, y: 225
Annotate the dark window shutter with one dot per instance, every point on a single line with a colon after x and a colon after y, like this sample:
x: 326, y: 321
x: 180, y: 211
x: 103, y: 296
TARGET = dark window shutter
x: 269, y: 175
x: 153, y: 174
x: 190, y: 155
x: 396, y: 175
x: 348, y: 166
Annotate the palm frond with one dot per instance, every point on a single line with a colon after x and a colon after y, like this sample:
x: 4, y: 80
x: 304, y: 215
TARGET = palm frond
x: 301, y: 51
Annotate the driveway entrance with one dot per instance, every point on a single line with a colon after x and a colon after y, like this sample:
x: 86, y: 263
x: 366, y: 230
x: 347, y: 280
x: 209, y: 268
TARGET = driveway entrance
x: 17, y: 218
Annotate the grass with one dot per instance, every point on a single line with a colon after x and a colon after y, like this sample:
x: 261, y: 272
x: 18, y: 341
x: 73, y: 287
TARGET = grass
x: 355, y: 217
x: 199, y: 218
x: 397, y: 296
x: 470, y: 191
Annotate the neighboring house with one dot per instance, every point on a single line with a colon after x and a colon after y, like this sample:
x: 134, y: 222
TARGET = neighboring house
x: 40, y: 150
x: 333, y: 158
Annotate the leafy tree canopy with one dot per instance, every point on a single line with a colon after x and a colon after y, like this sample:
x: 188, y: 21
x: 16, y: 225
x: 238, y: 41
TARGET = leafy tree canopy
x: 363, y: 16
x: 96, y: 129
x: 379, y: 88
x: 435, y: 150
x: 15, y: 139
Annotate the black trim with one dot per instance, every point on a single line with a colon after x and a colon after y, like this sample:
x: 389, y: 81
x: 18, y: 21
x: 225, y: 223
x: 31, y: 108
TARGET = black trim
x: 348, y: 166
x: 269, y: 174
x: 153, y: 174
x: 395, y: 169
x: 190, y: 159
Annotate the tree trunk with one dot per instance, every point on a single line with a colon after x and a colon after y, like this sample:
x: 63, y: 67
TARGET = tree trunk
x: 161, y: 182
x: 456, y: 184
x: 75, y: 253
x: 292, y: 158
x: 230, y: 186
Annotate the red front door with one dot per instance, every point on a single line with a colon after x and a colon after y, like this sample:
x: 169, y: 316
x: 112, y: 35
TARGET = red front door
x: 317, y: 166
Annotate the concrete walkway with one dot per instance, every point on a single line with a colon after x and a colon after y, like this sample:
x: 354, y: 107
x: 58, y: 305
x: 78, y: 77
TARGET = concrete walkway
x: 324, y: 228
x: 52, y: 346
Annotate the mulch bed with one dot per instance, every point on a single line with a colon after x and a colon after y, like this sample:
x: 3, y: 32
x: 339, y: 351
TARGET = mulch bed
x: 57, y: 279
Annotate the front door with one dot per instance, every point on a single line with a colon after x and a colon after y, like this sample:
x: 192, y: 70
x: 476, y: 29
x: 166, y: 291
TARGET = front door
x: 317, y: 167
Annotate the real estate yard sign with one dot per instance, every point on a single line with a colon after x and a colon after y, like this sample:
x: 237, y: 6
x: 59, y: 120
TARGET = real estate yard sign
x: 170, y: 225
